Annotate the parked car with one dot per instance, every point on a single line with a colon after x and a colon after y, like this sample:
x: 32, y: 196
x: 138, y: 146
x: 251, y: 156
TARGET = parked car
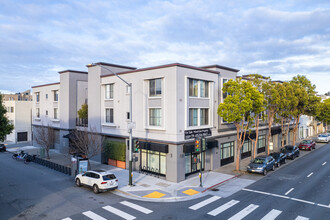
x: 99, y: 180
x: 279, y: 158
x: 261, y: 164
x: 307, y: 145
x: 2, y: 147
x: 291, y: 151
x: 322, y: 138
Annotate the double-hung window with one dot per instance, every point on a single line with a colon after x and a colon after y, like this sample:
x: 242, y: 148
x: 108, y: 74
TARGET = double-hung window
x: 38, y: 96
x: 55, y: 113
x: 193, y: 117
x: 224, y: 94
x: 155, y: 117
x: 204, y: 116
x: 108, y: 115
x: 56, y: 96
x: 204, y: 89
x: 109, y: 91
x: 38, y: 112
x: 155, y: 87
x: 193, y: 87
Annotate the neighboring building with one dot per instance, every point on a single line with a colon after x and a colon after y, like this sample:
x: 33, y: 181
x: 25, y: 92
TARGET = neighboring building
x: 19, y: 114
x: 171, y: 104
x: 21, y: 96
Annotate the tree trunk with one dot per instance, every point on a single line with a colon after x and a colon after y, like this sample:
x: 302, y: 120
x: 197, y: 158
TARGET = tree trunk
x: 257, y: 135
x: 295, y: 130
x: 237, y: 149
x: 47, y: 153
x: 270, y: 122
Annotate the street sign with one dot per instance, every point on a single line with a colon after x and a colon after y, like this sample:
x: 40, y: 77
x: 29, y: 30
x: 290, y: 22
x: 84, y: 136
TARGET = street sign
x: 131, y: 125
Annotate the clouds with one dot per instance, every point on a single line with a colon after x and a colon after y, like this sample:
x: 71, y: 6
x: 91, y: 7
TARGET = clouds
x: 267, y: 37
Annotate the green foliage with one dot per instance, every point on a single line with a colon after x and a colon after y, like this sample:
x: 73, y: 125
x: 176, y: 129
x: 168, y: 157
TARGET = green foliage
x: 83, y: 111
x: 115, y: 150
x: 5, y: 126
x: 324, y: 111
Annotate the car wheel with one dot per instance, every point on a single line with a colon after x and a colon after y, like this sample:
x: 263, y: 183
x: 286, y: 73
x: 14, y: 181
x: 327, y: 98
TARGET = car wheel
x: 264, y: 172
x: 279, y: 164
x: 78, y: 182
x: 96, y: 189
x: 273, y: 168
x: 292, y: 157
x: 284, y: 161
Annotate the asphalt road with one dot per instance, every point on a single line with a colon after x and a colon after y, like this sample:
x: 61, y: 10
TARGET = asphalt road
x: 298, y: 190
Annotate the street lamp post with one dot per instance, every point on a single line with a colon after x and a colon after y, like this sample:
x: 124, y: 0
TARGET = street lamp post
x: 130, y: 121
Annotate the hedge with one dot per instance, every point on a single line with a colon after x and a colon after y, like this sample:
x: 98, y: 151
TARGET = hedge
x: 115, y: 150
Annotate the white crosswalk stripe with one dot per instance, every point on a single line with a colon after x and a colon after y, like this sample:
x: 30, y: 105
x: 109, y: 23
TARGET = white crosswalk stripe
x: 93, y: 216
x: 136, y: 207
x: 119, y: 212
x: 272, y: 215
x: 301, y: 218
x: 204, y: 203
x: 222, y: 208
x: 240, y: 215
x: 67, y: 218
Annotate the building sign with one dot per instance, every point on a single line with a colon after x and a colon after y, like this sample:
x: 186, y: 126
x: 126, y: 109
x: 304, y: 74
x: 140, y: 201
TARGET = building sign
x: 198, y: 133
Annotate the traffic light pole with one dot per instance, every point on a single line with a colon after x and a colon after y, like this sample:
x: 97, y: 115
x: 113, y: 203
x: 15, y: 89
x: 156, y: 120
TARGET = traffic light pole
x: 130, y: 138
x: 201, y: 172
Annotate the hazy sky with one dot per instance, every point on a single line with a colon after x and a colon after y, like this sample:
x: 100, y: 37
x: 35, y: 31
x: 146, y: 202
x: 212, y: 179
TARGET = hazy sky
x: 279, y: 39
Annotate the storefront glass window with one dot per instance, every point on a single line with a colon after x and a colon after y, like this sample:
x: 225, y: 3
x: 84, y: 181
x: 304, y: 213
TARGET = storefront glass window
x: 227, y: 150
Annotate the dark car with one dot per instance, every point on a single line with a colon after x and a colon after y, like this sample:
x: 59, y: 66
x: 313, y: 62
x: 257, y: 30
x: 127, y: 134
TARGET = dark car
x: 261, y: 164
x: 291, y: 151
x: 306, y: 145
x: 279, y: 158
x: 2, y: 147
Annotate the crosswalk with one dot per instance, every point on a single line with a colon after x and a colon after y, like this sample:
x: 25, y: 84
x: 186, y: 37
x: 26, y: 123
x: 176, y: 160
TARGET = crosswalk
x: 115, y: 211
x: 271, y: 215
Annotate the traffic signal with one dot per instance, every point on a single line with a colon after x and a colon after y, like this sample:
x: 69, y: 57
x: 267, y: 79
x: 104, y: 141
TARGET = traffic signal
x: 136, y: 145
x: 197, y: 145
x: 203, y: 144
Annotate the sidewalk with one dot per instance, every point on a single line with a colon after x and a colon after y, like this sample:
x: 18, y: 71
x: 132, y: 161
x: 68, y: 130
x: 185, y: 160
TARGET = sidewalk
x: 150, y: 188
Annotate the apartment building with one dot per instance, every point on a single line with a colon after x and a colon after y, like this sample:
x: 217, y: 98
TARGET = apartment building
x: 172, y: 105
x: 20, y: 96
x: 19, y: 114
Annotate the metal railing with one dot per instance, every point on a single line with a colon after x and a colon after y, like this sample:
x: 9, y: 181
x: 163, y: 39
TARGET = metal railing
x: 82, y: 122
x: 52, y: 165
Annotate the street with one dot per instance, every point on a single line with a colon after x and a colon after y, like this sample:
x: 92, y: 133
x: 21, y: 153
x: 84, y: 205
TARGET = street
x: 298, y: 190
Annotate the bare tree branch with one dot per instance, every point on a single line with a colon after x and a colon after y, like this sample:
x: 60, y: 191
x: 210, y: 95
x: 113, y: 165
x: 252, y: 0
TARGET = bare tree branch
x: 45, y: 137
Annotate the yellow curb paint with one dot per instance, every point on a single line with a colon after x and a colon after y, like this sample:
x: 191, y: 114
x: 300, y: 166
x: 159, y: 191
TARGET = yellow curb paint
x: 154, y: 195
x: 190, y: 192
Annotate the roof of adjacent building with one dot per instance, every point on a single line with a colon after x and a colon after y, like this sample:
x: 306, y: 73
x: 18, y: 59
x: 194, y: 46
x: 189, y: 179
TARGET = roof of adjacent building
x: 110, y: 64
x: 50, y: 84
x: 220, y: 67
x: 73, y: 71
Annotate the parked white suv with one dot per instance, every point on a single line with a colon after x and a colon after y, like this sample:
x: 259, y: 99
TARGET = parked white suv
x: 99, y: 180
x: 323, y: 138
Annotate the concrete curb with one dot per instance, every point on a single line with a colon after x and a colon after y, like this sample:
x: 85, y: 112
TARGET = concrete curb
x: 222, y: 182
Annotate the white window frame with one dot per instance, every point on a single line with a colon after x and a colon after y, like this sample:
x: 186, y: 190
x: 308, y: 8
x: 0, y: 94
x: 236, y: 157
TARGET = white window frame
x: 109, y: 91
x: 157, y: 87
x: 158, y: 120
x: 37, y: 97
x: 196, y: 90
x: 106, y: 116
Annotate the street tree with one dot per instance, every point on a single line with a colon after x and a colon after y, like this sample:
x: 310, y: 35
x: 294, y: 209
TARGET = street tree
x: 286, y: 107
x: 258, y: 109
x: 237, y: 108
x: 323, y: 113
x: 87, y: 142
x: 5, y: 126
x: 45, y: 137
x: 272, y: 100
x: 308, y: 102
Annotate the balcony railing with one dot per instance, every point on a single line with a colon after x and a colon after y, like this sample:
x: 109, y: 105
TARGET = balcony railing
x: 82, y: 122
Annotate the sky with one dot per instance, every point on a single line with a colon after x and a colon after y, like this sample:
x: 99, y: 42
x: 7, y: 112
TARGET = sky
x: 280, y: 39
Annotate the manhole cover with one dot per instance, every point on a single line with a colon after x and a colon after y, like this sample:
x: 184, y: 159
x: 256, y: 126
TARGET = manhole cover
x: 214, y: 189
x: 169, y: 217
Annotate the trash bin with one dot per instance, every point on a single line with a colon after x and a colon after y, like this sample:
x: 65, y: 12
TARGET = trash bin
x: 42, y: 152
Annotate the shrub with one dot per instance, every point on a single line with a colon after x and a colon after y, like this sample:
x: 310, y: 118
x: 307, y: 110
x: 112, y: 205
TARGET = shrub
x: 115, y: 150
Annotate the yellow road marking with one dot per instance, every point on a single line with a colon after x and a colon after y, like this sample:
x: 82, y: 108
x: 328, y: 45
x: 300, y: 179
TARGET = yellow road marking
x: 154, y: 195
x: 190, y: 192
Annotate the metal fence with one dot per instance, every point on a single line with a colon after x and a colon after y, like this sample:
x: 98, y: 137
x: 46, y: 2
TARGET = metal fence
x: 52, y: 165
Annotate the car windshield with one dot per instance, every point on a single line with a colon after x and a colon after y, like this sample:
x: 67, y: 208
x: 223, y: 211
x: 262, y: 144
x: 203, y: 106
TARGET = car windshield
x: 109, y: 177
x: 258, y: 161
x: 323, y: 135
x: 289, y: 148
x: 306, y: 142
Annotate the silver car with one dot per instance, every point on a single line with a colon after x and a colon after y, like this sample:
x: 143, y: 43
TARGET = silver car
x: 323, y: 138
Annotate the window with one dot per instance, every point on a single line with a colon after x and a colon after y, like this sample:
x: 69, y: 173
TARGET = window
x: 225, y: 94
x: 204, y: 117
x: 109, y: 115
x: 261, y: 141
x: 38, y: 112
x: 56, y: 96
x: 227, y: 150
x: 46, y: 113
x: 193, y: 87
x: 109, y: 91
x: 204, y: 89
x: 193, y: 117
x: 46, y: 96
x: 155, y: 116
x: 155, y: 87
x: 38, y: 96
x: 55, y: 113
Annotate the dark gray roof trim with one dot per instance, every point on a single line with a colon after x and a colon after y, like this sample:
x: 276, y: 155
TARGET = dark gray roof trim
x: 221, y: 67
